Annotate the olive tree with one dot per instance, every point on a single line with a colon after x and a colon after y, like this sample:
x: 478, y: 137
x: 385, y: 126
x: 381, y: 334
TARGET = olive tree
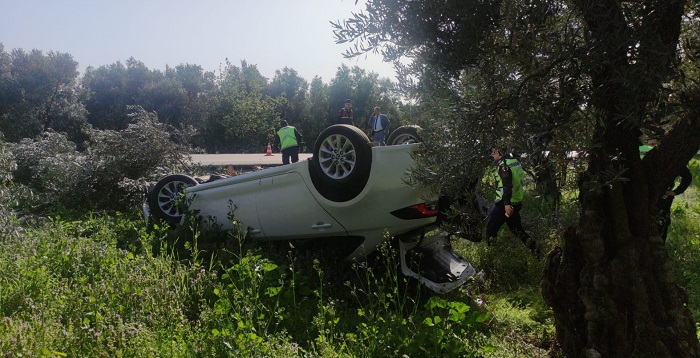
x: 557, y: 76
x: 244, y: 116
x: 114, y: 87
x: 39, y: 92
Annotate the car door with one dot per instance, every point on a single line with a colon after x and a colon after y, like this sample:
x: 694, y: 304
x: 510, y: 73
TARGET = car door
x: 287, y: 209
x: 222, y: 202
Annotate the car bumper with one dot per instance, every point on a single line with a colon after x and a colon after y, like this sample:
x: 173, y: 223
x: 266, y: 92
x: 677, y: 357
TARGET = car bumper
x: 431, y: 260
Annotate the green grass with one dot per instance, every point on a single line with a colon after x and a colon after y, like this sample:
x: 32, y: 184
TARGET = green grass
x: 105, y: 286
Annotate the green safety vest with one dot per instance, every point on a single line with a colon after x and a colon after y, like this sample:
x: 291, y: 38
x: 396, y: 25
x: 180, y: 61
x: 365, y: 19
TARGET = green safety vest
x: 644, y: 149
x: 287, y: 137
x: 517, y: 181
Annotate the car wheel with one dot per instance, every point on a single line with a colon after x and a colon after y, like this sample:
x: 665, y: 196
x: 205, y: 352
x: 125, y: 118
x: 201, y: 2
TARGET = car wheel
x: 341, y: 162
x: 165, y: 199
x: 404, y: 135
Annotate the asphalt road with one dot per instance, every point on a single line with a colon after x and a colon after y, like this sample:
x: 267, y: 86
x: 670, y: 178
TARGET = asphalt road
x: 242, y: 159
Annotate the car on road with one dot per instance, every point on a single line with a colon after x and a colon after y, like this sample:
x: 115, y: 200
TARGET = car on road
x: 351, y: 194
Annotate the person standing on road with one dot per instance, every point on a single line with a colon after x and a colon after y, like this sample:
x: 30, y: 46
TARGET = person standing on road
x: 345, y: 114
x: 509, y: 196
x: 288, y: 139
x: 379, y: 125
x: 664, y: 216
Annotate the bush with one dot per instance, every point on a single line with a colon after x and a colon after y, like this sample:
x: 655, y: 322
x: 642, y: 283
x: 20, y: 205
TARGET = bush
x: 50, y: 167
x: 7, y: 166
x: 110, y: 174
x: 7, y: 162
x: 122, y: 161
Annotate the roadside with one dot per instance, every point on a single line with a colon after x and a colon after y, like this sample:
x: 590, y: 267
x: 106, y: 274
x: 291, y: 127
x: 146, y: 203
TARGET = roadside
x: 242, y: 159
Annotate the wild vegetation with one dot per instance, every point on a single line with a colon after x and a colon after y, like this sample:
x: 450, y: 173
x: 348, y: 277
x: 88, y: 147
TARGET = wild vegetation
x: 571, y: 84
x: 107, y: 285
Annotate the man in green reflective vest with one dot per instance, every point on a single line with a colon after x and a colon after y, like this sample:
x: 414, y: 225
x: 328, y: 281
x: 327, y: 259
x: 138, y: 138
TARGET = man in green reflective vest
x: 509, y: 197
x: 645, y: 148
x: 288, y: 139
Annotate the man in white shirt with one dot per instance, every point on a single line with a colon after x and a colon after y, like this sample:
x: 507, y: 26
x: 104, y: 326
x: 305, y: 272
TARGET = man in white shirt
x: 379, y: 125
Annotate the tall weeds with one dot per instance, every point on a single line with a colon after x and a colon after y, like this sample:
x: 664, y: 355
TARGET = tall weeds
x: 105, y: 285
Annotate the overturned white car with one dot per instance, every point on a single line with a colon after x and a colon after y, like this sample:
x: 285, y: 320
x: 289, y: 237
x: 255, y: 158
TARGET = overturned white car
x: 348, y: 195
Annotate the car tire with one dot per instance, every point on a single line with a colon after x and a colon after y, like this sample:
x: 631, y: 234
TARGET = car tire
x: 164, y: 200
x: 404, y: 135
x: 341, y: 162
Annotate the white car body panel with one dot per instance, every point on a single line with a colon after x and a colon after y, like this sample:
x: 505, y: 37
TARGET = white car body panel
x: 369, y: 214
x: 217, y: 202
x: 288, y: 210
x: 281, y: 202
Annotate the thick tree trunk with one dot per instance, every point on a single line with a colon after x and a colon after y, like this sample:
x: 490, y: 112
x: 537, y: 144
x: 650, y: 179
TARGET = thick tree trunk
x: 610, y: 286
x: 613, y: 294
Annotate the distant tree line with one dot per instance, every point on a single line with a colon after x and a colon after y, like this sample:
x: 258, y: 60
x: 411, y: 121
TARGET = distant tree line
x: 235, y: 110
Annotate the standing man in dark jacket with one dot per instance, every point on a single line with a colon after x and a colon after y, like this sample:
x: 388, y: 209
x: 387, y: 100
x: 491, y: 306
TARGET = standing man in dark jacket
x: 288, y: 139
x: 509, y: 197
x: 379, y: 125
x: 345, y: 114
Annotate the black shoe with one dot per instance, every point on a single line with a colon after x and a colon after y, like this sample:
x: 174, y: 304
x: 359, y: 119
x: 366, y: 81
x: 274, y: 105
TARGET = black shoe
x: 531, y: 245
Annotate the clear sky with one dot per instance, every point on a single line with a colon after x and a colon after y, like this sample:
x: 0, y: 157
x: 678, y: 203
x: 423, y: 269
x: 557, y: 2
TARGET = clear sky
x: 271, y: 34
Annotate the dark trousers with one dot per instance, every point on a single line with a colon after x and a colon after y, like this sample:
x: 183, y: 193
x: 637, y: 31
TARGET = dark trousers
x: 379, y: 136
x: 497, y: 217
x: 664, y: 217
x: 292, y: 152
